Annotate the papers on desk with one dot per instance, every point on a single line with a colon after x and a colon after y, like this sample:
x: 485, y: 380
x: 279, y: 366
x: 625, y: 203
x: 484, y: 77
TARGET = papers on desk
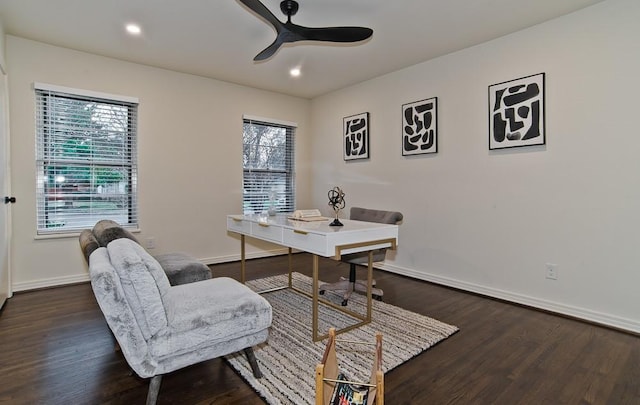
x: 309, y: 219
x: 308, y: 215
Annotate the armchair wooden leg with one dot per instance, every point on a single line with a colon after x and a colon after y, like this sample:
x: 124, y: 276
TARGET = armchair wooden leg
x: 252, y: 361
x: 154, y: 388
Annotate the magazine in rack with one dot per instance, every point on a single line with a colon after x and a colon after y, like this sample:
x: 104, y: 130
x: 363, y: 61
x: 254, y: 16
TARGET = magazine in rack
x: 347, y: 393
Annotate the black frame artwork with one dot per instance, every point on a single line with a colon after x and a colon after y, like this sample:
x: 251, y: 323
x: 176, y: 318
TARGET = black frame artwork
x: 420, y: 127
x: 516, y: 113
x: 355, y: 136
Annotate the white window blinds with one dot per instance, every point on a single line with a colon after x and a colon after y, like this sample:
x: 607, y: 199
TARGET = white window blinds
x: 268, y: 166
x: 86, y: 159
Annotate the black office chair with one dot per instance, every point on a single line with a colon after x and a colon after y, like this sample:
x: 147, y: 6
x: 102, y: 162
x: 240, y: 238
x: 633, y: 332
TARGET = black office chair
x: 351, y: 284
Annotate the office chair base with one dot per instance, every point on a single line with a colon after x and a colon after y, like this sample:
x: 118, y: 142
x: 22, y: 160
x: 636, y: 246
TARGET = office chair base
x: 349, y: 287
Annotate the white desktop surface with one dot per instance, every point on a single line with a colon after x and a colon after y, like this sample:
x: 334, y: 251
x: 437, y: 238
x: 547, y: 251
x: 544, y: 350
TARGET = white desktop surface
x: 316, y: 237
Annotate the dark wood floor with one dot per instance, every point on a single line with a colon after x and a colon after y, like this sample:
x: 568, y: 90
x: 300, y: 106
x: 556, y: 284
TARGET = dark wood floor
x: 55, y: 348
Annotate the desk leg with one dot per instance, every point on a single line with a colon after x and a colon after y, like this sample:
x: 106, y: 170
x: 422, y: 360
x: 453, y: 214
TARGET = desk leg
x: 315, y: 299
x: 369, y: 285
x: 290, y: 267
x: 242, y: 262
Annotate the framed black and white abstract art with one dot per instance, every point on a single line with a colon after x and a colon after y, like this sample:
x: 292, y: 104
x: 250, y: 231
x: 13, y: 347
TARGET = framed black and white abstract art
x: 355, y: 130
x: 516, y: 113
x: 420, y: 127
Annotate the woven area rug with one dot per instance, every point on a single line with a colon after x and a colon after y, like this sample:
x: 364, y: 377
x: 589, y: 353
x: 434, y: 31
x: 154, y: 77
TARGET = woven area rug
x: 289, y: 358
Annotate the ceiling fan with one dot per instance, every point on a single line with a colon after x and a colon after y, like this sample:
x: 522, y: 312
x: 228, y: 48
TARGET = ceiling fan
x: 290, y: 32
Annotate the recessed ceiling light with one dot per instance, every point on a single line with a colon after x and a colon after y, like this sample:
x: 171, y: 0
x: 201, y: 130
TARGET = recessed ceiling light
x: 295, y: 72
x: 133, y: 29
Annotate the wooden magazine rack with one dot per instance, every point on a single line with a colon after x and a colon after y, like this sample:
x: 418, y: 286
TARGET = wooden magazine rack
x: 327, y: 373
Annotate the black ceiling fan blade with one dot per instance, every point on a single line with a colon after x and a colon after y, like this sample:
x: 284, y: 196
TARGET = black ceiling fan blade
x: 289, y: 32
x: 263, y: 12
x: 334, y: 34
x: 268, y: 51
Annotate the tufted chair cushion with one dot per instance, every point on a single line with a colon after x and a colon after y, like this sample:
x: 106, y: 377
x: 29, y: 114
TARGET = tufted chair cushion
x: 107, y: 230
x: 88, y: 243
x: 379, y: 216
x: 180, y: 268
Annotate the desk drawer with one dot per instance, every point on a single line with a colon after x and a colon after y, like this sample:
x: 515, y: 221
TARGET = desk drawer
x: 266, y: 231
x: 238, y: 225
x: 307, y: 241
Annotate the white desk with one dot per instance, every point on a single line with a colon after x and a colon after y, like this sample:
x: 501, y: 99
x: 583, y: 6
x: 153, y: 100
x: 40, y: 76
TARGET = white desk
x: 320, y: 239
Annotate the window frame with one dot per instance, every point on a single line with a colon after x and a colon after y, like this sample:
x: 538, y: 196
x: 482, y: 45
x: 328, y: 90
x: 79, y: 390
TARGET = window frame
x: 51, y: 134
x: 289, y: 192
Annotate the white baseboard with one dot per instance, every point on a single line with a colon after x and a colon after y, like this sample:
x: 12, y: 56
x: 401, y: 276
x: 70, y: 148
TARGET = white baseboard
x: 555, y: 307
x: 81, y: 278
x: 255, y: 255
x: 50, y: 282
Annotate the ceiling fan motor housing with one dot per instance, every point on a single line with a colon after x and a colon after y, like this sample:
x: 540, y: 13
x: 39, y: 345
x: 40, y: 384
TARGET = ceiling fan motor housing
x: 289, y: 7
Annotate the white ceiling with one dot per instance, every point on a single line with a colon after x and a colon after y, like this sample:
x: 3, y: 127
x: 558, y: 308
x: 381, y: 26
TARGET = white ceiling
x: 219, y: 38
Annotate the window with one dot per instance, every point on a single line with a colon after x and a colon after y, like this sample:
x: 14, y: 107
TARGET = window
x: 268, y: 164
x: 86, y: 159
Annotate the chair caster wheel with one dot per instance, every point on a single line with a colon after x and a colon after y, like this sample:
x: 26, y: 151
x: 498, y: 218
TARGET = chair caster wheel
x: 321, y: 292
x: 344, y: 303
x: 377, y: 297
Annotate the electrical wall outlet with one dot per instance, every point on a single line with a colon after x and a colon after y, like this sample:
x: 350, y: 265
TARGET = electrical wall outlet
x: 552, y: 271
x: 150, y: 243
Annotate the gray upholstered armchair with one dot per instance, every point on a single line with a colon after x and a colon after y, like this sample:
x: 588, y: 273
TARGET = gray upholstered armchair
x: 161, y: 328
x: 351, y: 284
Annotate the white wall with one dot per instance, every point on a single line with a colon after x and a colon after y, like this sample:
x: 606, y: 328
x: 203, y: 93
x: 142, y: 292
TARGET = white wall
x: 489, y: 221
x: 3, y: 65
x: 190, y: 148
